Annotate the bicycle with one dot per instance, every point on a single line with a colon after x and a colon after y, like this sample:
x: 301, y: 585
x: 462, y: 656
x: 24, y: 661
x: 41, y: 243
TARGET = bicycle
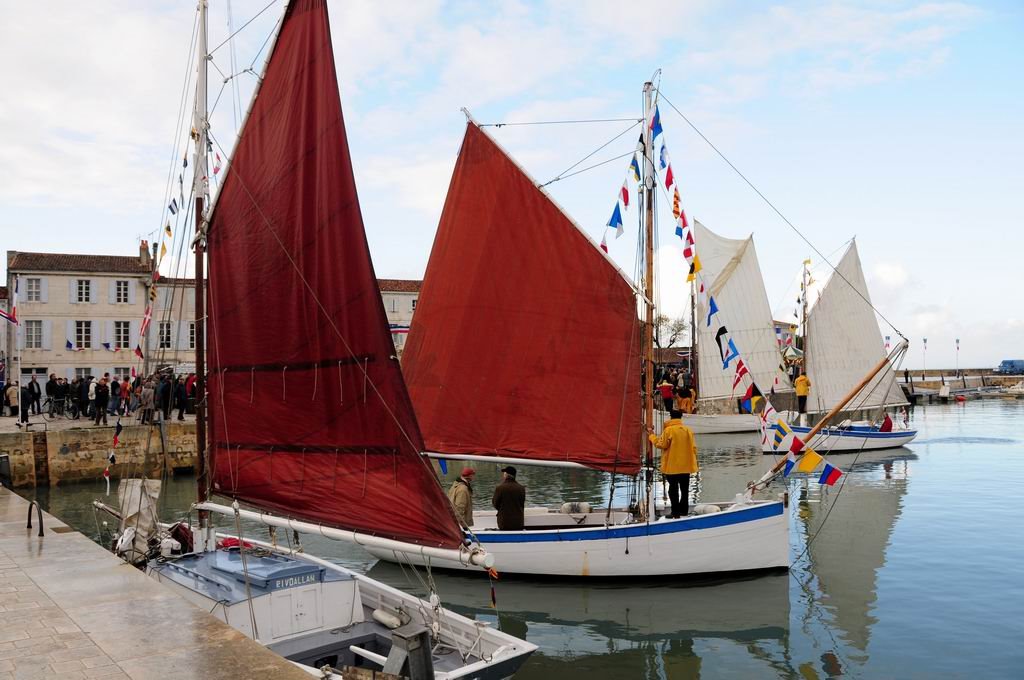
x: 57, y: 408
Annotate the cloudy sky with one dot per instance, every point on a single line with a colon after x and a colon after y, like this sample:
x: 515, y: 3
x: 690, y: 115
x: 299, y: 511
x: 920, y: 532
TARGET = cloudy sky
x: 899, y: 123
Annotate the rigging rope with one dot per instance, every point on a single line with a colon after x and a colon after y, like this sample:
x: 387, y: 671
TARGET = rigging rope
x: 779, y: 213
x: 562, y: 122
x: 242, y: 28
x: 591, y: 154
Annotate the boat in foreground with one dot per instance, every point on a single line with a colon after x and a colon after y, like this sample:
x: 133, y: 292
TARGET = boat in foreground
x: 849, y: 438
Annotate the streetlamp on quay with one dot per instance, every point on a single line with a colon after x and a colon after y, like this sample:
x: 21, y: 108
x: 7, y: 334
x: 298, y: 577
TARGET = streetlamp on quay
x: 924, y: 359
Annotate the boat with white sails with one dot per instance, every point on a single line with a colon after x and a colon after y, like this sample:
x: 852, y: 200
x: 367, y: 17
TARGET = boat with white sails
x: 493, y: 379
x: 841, y: 342
x: 731, y: 272
x: 346, y: 463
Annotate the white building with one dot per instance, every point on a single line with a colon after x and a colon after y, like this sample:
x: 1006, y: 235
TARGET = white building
x: 399, y: 302
x: 82, y: 314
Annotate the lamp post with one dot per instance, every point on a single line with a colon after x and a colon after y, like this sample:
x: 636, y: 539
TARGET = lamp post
x: 958, y: 356
x: 924, y: 359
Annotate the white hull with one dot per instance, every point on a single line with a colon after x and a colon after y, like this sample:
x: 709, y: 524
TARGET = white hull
x: 312, y: 618
x: 852, y: 440
x: 750, y: 537
x: 725, y: 423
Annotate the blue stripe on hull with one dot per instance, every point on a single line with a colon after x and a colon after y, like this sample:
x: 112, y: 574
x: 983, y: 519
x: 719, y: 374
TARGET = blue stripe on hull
x: 862, y: 434
x: 696, y: 523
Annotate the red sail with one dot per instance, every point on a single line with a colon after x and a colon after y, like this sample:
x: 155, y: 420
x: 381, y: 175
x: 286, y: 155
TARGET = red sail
x: 309, y: 416
x: 525, y: 342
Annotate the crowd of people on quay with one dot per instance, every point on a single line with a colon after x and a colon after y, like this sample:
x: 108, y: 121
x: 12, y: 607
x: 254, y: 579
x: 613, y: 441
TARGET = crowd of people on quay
x: 95, y: 398
x: 676, y: 391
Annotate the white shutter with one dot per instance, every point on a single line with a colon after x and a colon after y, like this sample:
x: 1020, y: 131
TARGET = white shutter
x: 132, y: 285
x: 109, y: 336
x: 133, y: 334
x: 71, y: 332
x: 94, y: 288
x: 47, y: 335
x: 97, y: 341
x: 44, y: 290
x: 73, y: 291
x: 69, y: 373
x: 98, y: 371
x: 154, y: 334
x: 112, y: 291
x: 182, y: 335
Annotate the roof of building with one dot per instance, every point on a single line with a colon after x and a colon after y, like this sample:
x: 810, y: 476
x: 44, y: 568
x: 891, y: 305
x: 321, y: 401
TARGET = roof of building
x: 399, y: 285
x: 63, y: 262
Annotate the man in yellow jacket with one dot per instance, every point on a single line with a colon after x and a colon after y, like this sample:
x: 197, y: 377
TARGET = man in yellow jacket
x: 678, y: 461
x: 802, y: 385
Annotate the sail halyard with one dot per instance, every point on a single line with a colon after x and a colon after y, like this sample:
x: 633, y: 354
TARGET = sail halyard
x: 310, y: 419
x: 201, y: 126
x: 525, y: 341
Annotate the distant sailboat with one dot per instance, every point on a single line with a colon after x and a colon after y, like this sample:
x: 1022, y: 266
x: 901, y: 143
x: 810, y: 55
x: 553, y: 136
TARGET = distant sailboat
x: 733, y: 275
x: 841, y: 344
x: 309, y: 417
x: 526, y: 349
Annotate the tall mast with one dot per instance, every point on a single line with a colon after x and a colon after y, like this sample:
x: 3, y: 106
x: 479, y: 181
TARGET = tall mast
x: 200, y: 182
x: 648, y: 338
x: 693, y: 339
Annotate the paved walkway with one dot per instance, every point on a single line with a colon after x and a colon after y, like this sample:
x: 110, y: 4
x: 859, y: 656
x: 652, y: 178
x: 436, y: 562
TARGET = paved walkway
x: 41, y: 424
x: 71, y: 610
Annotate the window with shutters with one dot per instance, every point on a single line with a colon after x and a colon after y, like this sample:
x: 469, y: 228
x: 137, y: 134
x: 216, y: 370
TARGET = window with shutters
x: 33, y: 290
x: 122, y: 372
x: 165, y: 335
x: 122, y: 334
x: 83, y: 334
x: 84, y: 290
x: 121, y: 292
x: 83, y: 373
x: 191, y: 334
x: 33, y: 335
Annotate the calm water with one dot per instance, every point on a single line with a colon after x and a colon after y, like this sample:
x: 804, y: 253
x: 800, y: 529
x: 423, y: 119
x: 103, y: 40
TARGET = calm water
x: 914, y: 574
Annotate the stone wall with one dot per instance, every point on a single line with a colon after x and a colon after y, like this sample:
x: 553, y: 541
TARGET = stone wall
x: 80, y: 454
x: 18, y: 446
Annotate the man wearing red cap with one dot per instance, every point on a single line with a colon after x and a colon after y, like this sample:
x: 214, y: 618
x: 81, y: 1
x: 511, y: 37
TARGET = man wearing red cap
x: 461, y: 496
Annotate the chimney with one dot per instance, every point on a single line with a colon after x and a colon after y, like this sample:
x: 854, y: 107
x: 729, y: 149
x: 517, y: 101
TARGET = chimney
x: 144, y: 257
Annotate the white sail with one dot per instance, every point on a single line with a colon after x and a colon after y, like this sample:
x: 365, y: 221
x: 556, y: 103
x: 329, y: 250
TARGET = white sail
x: 730, y: 270
x: 843, y: 343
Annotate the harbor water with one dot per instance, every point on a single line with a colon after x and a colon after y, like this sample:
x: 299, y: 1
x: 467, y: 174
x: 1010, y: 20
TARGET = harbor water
x: 907, y: 568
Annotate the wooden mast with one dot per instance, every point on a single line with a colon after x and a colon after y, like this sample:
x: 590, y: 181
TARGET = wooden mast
x: 200, y: 125
x: 648, y: 337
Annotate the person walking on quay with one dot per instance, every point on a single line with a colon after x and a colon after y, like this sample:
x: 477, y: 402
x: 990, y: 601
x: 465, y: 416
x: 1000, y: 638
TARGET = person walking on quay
x: 461, y: 495
x: 102, y: 400
x: 11, y: 396
x: 146, y: 400
x: 665, y: 388
x: 509, y: 500
x: 678, y: 461
x: 60, y: 397
x: 180, y: 398
x: 50, y: 390
x: 35, y: 395
x: 91, y: 396
x: 166, y: 393
x: 802, y: 385
x: 115, y: 395
x: 126, y: 396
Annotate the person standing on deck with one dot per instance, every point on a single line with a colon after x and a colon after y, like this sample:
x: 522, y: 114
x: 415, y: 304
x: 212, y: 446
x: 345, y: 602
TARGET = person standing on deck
x: 678, y: 461
x: 12, y: 397
x: 509, y: 500
x: 461, y: 496
x: 803, y: 387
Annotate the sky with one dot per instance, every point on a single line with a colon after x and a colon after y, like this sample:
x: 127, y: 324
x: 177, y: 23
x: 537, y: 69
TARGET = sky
x: 898, y: 123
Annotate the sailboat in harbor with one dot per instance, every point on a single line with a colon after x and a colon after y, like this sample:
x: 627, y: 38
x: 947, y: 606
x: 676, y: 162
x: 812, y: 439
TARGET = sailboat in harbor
x: 733, y: 277
x: 494, y: 377
x: 841, y: 342
x: 286, y: 249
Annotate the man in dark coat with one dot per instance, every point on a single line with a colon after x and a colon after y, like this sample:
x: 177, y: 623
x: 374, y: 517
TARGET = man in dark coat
x: 102, y: 400
x: 164, y: 397
x: 35, y: 393
x: 180, y: 398
x: 509, y: 500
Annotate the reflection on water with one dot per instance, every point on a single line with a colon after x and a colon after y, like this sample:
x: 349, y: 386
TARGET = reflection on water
x: 912, y: 557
